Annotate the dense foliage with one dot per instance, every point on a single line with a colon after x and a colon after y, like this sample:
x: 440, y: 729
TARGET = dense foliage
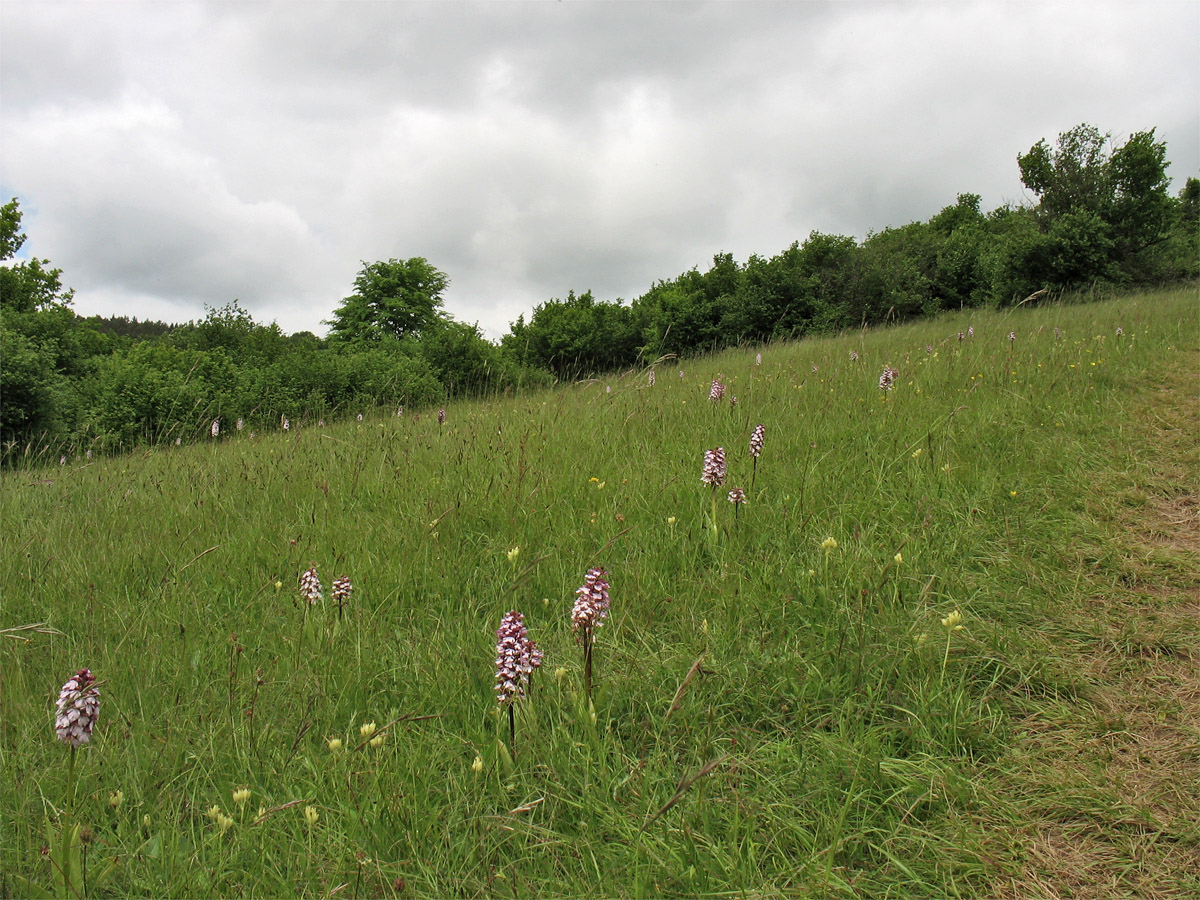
x: 1103, y: 217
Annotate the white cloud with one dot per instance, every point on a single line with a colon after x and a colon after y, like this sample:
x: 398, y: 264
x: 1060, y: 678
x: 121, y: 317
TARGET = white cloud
x: 171, y: 155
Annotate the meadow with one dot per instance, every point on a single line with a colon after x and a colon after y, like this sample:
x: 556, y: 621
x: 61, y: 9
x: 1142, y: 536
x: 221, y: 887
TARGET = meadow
x: 810, y: 694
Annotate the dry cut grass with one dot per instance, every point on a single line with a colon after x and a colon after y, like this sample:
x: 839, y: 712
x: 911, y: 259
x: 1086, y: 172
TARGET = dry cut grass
x: 1107, y: 785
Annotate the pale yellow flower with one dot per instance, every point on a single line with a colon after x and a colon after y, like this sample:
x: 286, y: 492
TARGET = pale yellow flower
x: 898, y: 559
x: 311, y: 815
x: 241, y: 795
x: 513, y: 554
x: 953, y: 622
x: 224, y: 822
x: 335, y: 744
x: 829, y: 544
x: 671, y: 520
x: 115, y: 799
x: 377, y: 741
x: 477, y: 765
x: 917, y: 453
x: 366, y: 729
x: 213, y: 812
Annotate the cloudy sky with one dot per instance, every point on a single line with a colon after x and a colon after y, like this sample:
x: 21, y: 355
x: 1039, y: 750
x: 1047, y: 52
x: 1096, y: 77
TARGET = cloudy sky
x: 172, y: 155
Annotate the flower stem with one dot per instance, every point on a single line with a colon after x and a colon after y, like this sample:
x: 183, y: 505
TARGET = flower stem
x: 71, y: 784
x: 587, y: 664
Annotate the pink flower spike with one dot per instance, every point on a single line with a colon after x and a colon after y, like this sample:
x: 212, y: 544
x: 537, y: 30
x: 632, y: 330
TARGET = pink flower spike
x: 714, y: 467
x: 516, y: 658
x: 78, y: 709
x: 756, y: 440
x: 310, y: 585
x: 591, y: 604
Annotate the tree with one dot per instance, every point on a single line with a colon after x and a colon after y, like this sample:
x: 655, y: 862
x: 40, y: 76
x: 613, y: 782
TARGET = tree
x: 1189, y: 204
x: 28, y: 286
x: 391, y: 300
x: 41, y: 341
x: 1083, y: 181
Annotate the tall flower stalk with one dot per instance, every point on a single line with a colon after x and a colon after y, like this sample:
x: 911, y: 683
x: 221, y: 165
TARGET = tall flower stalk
x: 713, y: 474
x: 342, y: 587
x: 588, y: 614
x: 717, y: 391
x: 887, y: 379
x: 737, y: 497
x: 78, y: 708
x: 756, y: 448
x: 516, y: 658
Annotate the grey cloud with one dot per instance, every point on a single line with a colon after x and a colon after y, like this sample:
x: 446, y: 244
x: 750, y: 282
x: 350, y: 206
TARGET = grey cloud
x: 187, y: 153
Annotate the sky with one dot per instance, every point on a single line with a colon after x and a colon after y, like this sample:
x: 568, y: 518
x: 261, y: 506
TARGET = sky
x: 173, y: 156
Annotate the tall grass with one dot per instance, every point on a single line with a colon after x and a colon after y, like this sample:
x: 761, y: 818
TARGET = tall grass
x: 772, y: 714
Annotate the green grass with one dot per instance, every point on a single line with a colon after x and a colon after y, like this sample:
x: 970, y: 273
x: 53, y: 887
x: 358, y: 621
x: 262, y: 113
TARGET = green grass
x: 853, y: 736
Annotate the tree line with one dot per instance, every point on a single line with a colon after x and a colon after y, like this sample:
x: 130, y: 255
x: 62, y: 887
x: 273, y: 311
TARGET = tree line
x: 1103, y: 216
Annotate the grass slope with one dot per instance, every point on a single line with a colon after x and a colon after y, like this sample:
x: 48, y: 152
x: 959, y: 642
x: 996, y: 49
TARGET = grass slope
x: 773, y: 715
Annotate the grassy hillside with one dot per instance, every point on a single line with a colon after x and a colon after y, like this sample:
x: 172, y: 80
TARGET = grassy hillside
x: 783, y: 704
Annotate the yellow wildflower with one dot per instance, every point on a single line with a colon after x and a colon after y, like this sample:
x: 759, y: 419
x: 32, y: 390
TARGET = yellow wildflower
x: 953, y: 622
